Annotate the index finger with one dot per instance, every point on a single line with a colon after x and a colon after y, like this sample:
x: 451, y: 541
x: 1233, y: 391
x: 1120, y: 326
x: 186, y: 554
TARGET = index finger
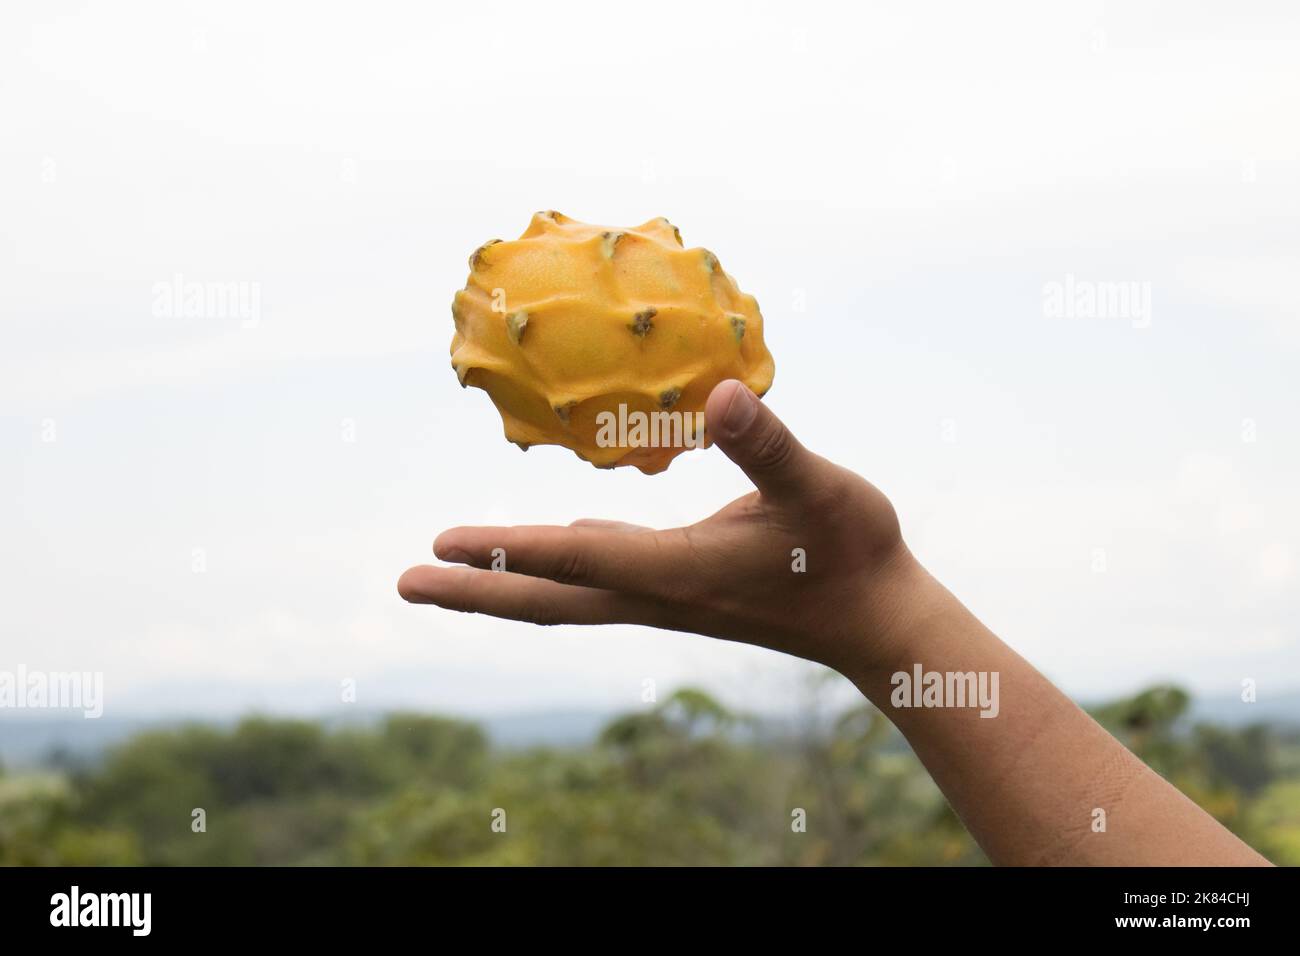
x: 596, y: 557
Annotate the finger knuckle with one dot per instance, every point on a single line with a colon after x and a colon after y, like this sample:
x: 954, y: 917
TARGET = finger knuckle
x: 545, y: 614
x: 774, y: 450
x: 467, y: 595
x: 571, y: 567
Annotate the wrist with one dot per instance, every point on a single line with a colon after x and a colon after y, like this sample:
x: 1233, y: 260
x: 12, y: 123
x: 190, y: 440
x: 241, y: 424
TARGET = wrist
x: 903, y: 608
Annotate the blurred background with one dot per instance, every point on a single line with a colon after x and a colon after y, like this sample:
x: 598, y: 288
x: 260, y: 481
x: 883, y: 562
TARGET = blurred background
x: 229, y: 240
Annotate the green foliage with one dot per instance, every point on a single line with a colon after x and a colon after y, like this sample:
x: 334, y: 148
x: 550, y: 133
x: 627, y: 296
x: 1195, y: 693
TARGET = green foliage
x: 1223, y: 770
x: 39, y: 828
x: 678, y: 784
x: 1273, y: 822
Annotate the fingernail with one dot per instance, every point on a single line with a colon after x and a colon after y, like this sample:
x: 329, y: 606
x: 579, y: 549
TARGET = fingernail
x: 741, y: 410
x: 454, y: 555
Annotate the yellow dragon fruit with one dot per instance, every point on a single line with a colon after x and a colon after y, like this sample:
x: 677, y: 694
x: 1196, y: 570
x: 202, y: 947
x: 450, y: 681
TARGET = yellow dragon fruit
x: 606, y: 341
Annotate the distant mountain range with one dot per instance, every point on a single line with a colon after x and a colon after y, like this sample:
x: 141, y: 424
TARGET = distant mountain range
x: 27, y: 740
x: 30, y: 740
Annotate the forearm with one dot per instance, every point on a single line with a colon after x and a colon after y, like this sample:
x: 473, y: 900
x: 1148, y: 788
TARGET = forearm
x: 1036, y: 782
x: 1040, y: 783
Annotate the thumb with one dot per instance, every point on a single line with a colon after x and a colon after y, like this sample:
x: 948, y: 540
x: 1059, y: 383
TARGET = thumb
x: 756, y: 440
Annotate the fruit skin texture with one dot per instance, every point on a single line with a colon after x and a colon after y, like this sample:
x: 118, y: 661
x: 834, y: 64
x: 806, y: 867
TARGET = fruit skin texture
x: 571, y: 320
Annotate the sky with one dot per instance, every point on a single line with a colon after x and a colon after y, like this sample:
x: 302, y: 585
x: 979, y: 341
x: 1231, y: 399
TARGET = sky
x: 213, y: 509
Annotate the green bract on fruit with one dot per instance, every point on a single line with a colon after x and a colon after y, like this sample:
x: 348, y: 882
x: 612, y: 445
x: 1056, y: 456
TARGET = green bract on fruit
x: 604, y: 340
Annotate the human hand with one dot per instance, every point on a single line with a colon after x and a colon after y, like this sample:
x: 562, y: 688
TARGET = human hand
x: 863, y: 606
x: 733, y: 575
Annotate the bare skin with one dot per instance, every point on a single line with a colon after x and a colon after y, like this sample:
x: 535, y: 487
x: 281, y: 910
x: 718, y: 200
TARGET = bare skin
x: 1027, y: 783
